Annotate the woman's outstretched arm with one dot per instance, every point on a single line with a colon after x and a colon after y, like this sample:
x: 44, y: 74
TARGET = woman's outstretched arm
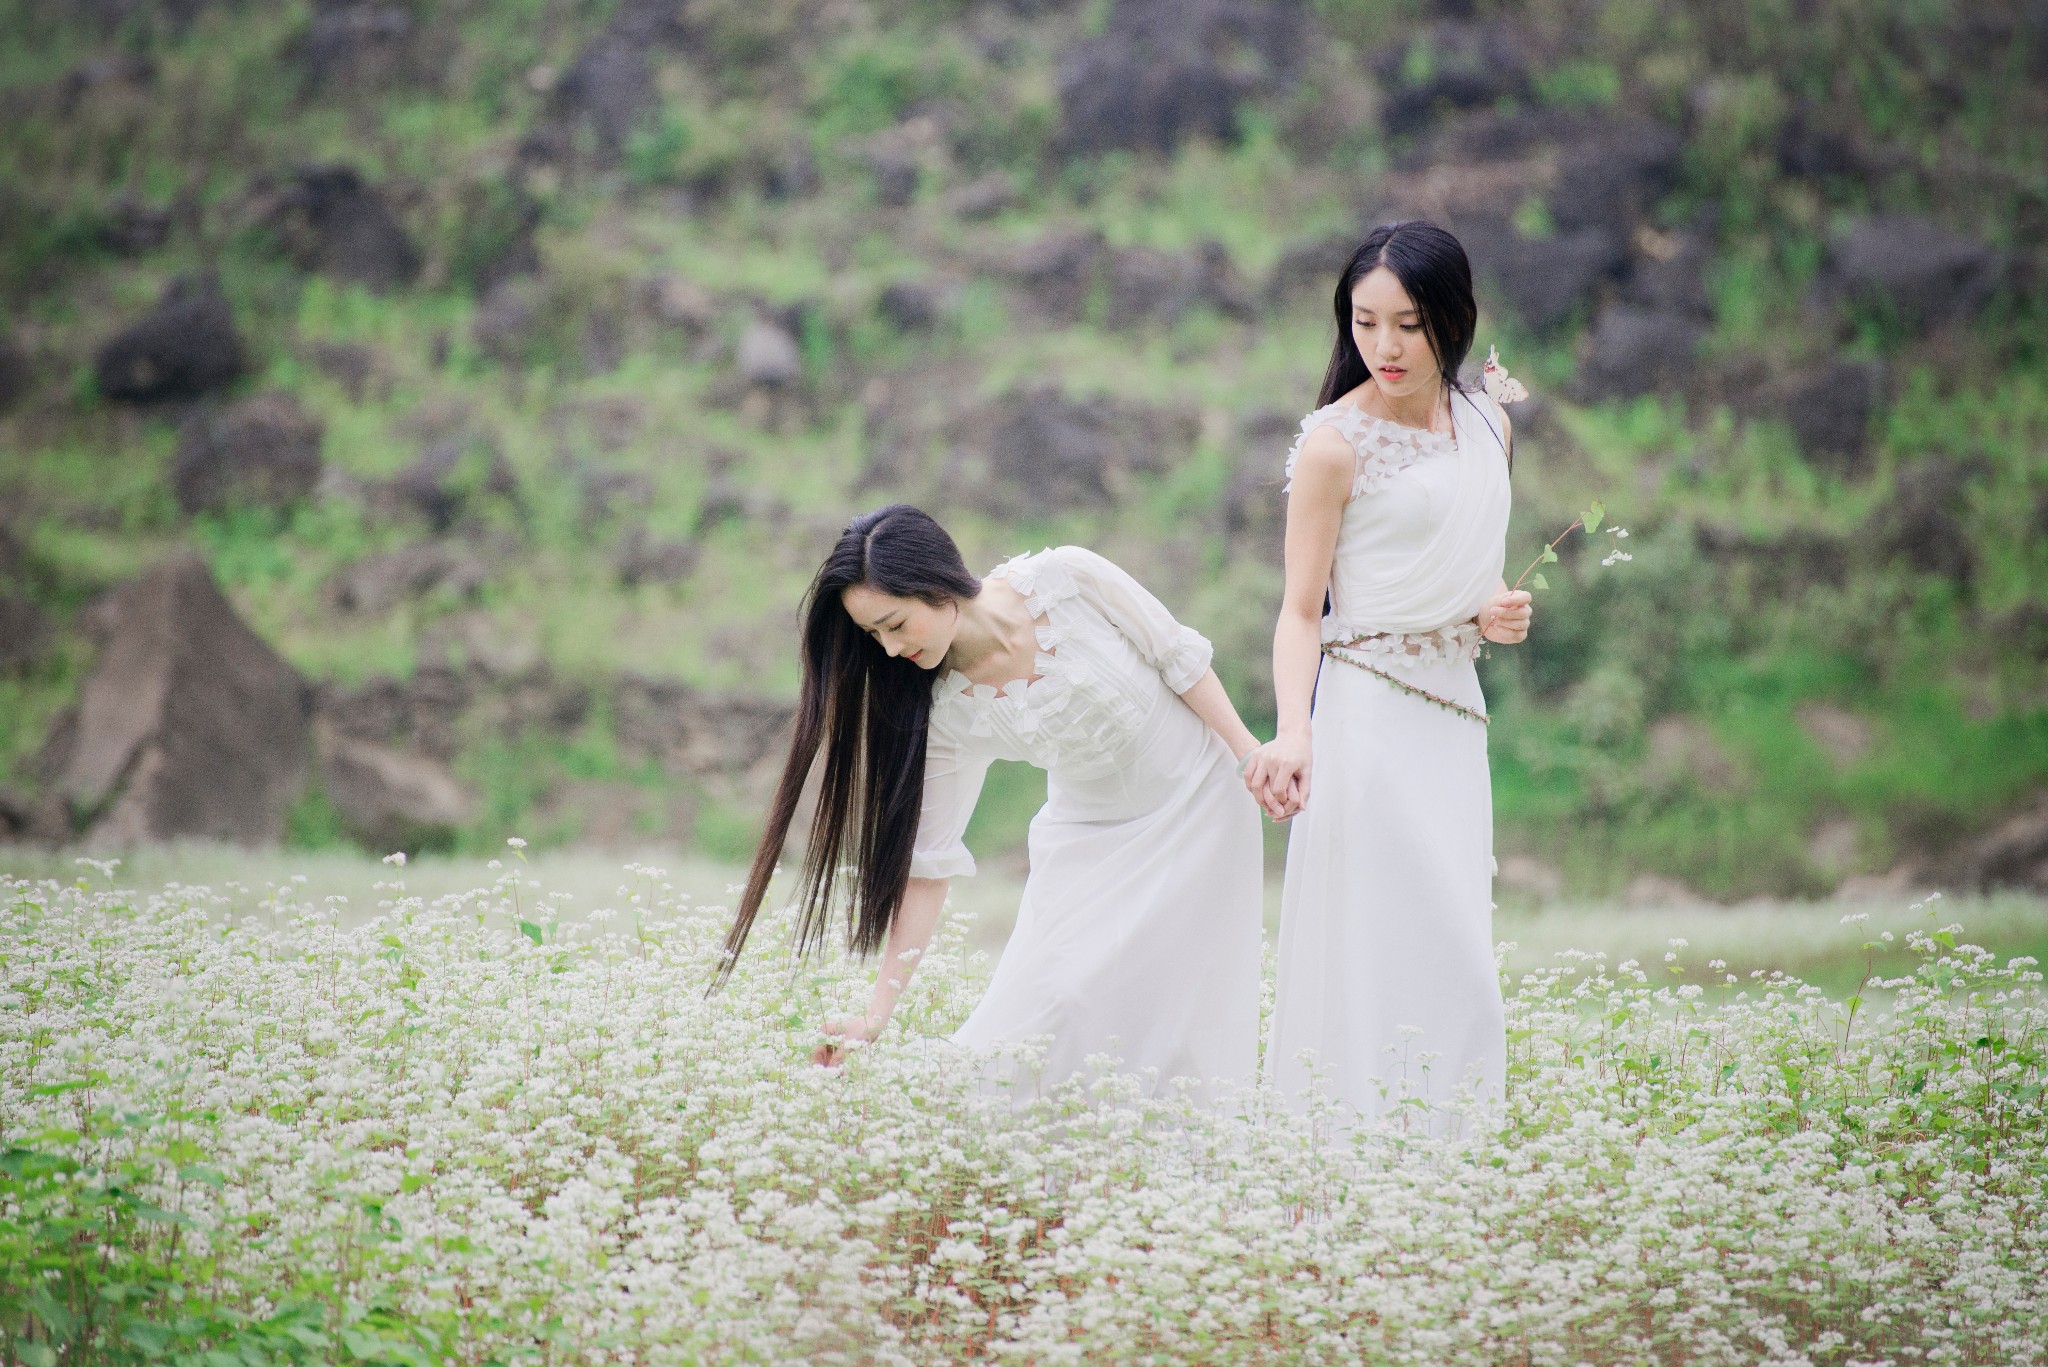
x: 1208, y: 700
x: 910, y: 933
x: 1279, y: 772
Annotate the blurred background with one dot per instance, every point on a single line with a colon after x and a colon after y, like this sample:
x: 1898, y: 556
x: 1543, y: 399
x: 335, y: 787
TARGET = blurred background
x: 418, y: 418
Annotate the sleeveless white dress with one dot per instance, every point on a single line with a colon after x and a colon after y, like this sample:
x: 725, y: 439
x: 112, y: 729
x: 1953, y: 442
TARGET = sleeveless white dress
x: 1387, y: 989
x: 1138, y: 934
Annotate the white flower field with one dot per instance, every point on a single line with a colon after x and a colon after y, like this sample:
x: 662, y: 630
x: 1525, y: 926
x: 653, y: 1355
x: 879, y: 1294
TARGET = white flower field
x: 473, y: 1130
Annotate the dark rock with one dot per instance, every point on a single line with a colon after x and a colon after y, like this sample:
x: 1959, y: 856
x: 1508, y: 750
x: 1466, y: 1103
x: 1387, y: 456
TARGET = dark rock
x: 360, y: 370
x: 791, y: 175
x: 187, y: 346
x: 767, y: 355
x: 449, y: 475
x: 607, y: 89
x: 1670, y: 272
x: 1915, y: 268
x: 1611, y: 176
x: 189, y: 724
x: 679, y: 302
x: 1637, y: 351
x: 1545, y: 281
x: 389, y: 799
x: 1830, y: 412
x: 1782, y: 565
x: 725, y: 501
x: 333, y: 223
x: 1066, y: 453
x: 910, y: 305
x: 1808, y: 147
x: 377, y: 583
x: 647, y: 559
x: 17, y: 374
x: 356, y: 45
x: 262, y: 452
x: 101, y: 73
x: 2014, y: 854
x: 509, y: 319
x: 134, y: 229
x: 692, y: 733
x: 421, y: 713
x: 983, y: 197
x: 28, y: 818
x: 1313, y: 266
x: 24, y: 631
x: 1470, y: 65
x: 1057, y: 271
x: 2025, y: 627
x: 610, y: 493
x: 1167, y: 70
x: 1152, y: 286
x: 896, y: 172
x: 1921, y: 523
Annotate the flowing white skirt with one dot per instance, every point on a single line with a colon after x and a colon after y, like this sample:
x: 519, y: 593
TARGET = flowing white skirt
x: 1387, y: 988
x: 1138, y: 935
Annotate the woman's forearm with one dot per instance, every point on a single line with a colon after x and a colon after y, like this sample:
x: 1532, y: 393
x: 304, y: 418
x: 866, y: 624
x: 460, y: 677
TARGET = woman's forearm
x: 1212, y: 704
x: 909, y: 935
x: 1297, y: 652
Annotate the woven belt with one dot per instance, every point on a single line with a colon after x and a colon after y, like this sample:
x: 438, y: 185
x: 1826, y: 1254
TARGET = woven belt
x: 1337, y: 650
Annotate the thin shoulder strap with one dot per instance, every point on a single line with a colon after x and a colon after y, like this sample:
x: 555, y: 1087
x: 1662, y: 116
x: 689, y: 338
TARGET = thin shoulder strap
x: 1487, y: 418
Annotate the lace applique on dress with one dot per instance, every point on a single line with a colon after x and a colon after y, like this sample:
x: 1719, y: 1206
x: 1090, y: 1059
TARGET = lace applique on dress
x: 1458, y: 642
x: 1383, y: 448
x: 1071, y: 713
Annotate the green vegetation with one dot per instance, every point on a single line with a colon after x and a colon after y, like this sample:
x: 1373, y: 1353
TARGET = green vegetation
x: 1661, y: 718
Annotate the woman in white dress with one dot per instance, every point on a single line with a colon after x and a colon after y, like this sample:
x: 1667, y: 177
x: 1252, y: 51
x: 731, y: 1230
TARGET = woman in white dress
x: 1138, y: 933
x: 1396, y: 523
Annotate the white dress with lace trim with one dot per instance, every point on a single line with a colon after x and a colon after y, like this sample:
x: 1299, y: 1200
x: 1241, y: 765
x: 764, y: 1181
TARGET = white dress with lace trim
x: 1386, y: 987
x: 1137, y: 935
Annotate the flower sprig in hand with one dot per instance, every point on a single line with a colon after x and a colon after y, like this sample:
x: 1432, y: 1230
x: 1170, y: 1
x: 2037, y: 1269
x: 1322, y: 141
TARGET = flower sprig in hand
x: 1590, y: 521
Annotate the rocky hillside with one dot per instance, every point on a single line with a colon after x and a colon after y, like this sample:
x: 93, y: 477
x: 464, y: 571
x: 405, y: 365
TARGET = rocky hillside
x: 418, y: 417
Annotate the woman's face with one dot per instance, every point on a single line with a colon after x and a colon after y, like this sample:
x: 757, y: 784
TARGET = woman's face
x: 1387, y: 329
x: 909, y: 628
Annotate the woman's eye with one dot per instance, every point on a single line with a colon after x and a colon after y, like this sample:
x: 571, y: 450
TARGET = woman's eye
x: 1411, y: 327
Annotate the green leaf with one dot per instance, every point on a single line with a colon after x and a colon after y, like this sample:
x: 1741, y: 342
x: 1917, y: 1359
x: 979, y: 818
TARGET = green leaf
x: 37, y: 1354
x: 531, y: 931
x: 1592, y: 517
x: 1549, y: 555
x: 1537, y: 581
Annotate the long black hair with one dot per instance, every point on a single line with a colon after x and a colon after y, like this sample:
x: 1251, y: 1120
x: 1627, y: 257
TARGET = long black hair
x: 1432, y: 267
x: 870, y: 714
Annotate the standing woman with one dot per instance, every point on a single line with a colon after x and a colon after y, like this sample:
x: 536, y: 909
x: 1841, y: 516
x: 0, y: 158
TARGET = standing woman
x: 1397, y: 517
x: 1138, y: 933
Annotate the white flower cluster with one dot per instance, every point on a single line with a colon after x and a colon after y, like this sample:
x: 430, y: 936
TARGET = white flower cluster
x: 518, y: 1140
x: 1617, y: 555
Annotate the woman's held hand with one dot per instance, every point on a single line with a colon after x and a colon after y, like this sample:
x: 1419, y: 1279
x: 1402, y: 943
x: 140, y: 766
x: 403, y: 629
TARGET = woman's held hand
x: 1277, y: 773
x: 1505, y: 618
x: 847, y: 1034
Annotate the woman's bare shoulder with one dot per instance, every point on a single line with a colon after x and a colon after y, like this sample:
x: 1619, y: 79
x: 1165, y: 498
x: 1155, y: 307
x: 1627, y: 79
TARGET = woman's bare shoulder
x: 1326, y: 457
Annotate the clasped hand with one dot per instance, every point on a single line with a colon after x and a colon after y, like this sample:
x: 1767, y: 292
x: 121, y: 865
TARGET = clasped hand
x: 1277, y: 773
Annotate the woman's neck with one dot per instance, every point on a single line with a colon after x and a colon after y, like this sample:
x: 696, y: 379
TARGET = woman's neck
x: 991, y: 623
x: 1421, y: 409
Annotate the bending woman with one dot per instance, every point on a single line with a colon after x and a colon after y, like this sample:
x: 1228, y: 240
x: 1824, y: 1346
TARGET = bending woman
x: 1397, y: 516
x: 1138, y: 934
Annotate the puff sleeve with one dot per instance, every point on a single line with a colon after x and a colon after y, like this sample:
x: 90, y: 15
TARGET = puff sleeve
x: 1180, y: 654
x: 952, y: 784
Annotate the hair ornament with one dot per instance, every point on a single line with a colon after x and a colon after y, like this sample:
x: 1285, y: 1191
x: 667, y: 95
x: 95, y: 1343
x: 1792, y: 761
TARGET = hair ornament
x: 1501, y: 387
